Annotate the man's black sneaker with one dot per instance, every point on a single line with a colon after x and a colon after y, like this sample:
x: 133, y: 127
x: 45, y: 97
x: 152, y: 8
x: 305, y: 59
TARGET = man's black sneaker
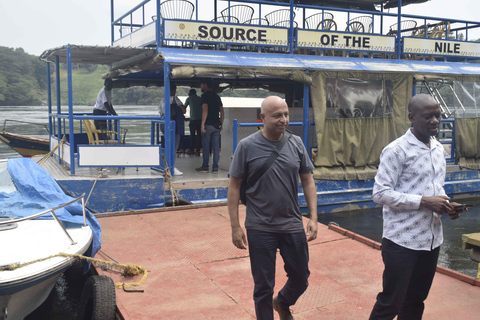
x: 202, y: 169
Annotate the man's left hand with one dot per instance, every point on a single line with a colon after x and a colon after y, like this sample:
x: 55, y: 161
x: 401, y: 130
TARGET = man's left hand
x: 455, y: 214
x: 312, y: 229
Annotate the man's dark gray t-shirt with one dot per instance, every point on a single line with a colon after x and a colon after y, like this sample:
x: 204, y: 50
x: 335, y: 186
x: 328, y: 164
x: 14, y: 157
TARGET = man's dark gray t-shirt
x: 272, y: 203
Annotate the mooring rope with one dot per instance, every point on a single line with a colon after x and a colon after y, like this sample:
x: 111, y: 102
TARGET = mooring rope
x: 91, y: 190
x: 45, y: 157
x: 127, y: 270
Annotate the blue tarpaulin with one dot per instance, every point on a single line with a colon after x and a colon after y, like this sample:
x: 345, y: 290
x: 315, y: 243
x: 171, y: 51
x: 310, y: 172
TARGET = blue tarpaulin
x: 33, y: 190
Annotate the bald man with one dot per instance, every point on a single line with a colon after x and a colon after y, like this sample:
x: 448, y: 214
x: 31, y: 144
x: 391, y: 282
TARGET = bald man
x: 273, y: 216
x: 409, y: 185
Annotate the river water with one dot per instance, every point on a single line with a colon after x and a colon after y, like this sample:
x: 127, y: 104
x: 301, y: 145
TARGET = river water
x: 367, y: 223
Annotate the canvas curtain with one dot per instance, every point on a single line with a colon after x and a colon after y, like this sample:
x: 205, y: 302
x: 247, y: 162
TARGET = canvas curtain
x: 349, y: 148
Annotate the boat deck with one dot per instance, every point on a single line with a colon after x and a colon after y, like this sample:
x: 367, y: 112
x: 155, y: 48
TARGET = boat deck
x: 195, y: 272
x: 185, y: 163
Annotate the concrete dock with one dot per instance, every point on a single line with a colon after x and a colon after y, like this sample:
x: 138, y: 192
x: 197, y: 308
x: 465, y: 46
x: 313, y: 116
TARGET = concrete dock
x: 195, y: 272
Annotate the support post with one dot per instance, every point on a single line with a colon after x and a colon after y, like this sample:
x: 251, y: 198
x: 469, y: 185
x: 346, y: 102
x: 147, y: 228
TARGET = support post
x: 306, y: 123
x: 70, y: 110
x: 59, y: 108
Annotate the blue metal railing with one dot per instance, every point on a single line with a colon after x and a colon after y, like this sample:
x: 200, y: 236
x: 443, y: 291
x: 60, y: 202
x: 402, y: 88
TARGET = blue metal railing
x: 237, y: 125
x: 136, y: 19
x: 62, y: 129
x: 446, y: 135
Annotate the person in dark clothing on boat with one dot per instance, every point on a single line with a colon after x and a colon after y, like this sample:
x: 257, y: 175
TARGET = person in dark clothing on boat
x: 177, y: 111
x: 273, y: 219
x: 211, y: 126
x: 195, y: 103
x: 409, y: 185
x: 104, y: 105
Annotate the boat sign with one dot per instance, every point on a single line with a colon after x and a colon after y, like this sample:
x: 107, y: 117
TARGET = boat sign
x: 228, y: 33
x: 441, y: 47
x: 345, y: 41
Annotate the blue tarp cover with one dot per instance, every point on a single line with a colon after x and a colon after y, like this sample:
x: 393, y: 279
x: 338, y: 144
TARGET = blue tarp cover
x: 36, y: 191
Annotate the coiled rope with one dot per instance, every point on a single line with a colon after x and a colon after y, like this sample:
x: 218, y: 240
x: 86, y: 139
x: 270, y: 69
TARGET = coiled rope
x: 127, y: 270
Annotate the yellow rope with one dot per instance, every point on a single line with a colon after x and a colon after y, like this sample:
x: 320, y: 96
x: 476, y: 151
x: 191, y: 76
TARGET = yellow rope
x: 127, y: 270
x: 45, y: 157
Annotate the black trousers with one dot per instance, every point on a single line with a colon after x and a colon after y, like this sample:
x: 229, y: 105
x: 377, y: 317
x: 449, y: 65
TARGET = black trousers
x: 195, y: 135
x: 407, y: 279
x: 100, y: 124
x: 262, y: 248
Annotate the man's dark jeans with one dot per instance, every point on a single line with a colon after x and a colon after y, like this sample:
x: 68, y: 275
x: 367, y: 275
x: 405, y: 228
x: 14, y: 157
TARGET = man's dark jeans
x: 263, y: 252
x: 211, y: 140
x: 407, y: 280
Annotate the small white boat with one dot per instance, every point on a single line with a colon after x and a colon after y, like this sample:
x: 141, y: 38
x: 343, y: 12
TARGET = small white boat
x: 23, y: 240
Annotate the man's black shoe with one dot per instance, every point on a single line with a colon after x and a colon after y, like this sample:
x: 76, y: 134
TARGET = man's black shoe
x: 283, y: 312
x: 202, y: 169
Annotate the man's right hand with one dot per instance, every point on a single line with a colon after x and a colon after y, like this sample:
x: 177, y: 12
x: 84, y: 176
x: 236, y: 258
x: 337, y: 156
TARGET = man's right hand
x: 438, y: 204
x: 239, y: 238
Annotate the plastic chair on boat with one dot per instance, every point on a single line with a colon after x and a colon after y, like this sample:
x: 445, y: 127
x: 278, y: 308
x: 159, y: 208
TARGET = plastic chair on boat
x: 317, y: 20
x: 362, y: 24
x: 286, y: 24
x: 257, y: 21
x: 226, y: 19
x: 406, y: 28
x: 279, y: 16
x: 93, y: 134
x: 177, y: 9
x: 440, y: 30
x: 241, y: 12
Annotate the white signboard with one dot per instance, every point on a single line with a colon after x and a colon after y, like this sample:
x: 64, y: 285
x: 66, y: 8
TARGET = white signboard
x: 227, y: 33
x: 441, y: 47
x: 345, y: 41
x: 118, y: 155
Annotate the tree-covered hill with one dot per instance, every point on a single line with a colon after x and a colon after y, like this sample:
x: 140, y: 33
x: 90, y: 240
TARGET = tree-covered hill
x: 23, y: 82
x: 23, y: 78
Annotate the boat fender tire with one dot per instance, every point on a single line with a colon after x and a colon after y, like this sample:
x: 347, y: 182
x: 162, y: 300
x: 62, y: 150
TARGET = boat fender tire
x: 97, y: 301
x: 181, y: 202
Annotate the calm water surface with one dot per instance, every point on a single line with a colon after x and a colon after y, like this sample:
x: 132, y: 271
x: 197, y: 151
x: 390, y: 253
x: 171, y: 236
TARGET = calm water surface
x: 368, y: 223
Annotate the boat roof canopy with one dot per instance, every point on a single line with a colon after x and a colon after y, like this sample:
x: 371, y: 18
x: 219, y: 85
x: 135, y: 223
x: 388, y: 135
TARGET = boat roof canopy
x: 146, y: 64
x: 103, y: 55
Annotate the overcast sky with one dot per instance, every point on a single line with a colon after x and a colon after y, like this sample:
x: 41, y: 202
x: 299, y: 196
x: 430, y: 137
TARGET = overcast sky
x: 37, y: 25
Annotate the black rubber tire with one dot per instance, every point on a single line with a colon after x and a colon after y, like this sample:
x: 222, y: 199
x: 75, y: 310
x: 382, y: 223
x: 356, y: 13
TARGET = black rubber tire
x: 98, y: 299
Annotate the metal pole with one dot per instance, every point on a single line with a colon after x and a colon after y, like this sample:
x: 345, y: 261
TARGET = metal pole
x: 70, y: 110
x: 169, y: 152
x: 235, y: 134
x: 399, y: 27
x: 158, y: 33
x: 49, y: 93
x: 291, y: 28
x: 59, y: 108
x: 306, y: 123
x: 111, y: 22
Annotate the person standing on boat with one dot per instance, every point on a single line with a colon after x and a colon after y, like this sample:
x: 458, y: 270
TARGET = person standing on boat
x: 409, y: 184
x: 195, y: 103
x: 212, y: 120
x: 102, y: 105
x: 177, y: 111
x: 273, y: 219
